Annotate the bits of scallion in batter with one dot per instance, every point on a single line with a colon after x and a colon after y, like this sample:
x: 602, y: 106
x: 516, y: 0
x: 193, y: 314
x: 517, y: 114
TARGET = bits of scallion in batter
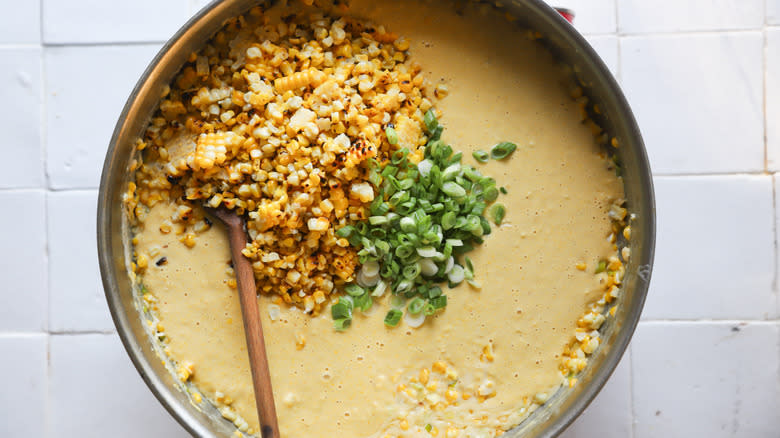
x: 424, y: 219
x: 502, y: 150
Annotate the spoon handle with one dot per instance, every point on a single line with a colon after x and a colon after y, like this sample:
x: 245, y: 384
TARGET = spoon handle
x: 258, y: 360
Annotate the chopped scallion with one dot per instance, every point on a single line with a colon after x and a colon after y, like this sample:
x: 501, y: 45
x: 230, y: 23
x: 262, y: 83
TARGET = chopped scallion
x: 393, y: 317
x: 497, y: 212
x: 392, y: 136
x: 502, y: 150
x: 481, y: 156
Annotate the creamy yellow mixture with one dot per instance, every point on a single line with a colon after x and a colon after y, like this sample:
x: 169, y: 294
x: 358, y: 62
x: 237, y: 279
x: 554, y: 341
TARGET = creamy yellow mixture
x: 473, y: 368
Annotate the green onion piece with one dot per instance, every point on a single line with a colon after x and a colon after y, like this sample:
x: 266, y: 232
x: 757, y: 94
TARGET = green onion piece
x: 451, y: 172
x: 340, y: 310
x: 379, y: 289
x: 342, y: 324
x: 430, y: 121
x: 412, y: 271
x: 375, y: 178
x: 407, y: 225
x: 453, y: 189
x: 601, y: 267
x: 491, y: 194
x: 456, y: 274
x: 502, y: 150
x: 393, y: 317
x: 503, y: 190
x: 439, y: 302
x: 426, y: 251
x: 345, y: 231
x: 404, y: 286
x: 416, y: 305
x: 497, y: 212
x: 354, y: 290
x: 428, y: 427
x: 377, y: 220
x: 392, y: 136
x: 481, y: 156
x: 469, y: 266
x: 448, y: 220
x: 364, y: 302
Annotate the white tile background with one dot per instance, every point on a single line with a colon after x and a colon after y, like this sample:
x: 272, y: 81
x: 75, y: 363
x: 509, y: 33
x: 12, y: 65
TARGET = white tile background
x: 703, y: 77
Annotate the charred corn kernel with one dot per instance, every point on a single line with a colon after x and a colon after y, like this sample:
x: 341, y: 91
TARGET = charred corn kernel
x: 614, y: 142
x: 232, y: 283
x: 581, y: 266
x: 439, y: 367
x: 404, y: 425
x: 627, y: 233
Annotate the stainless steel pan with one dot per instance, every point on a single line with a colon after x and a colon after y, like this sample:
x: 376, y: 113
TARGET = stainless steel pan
x: 568, y: 46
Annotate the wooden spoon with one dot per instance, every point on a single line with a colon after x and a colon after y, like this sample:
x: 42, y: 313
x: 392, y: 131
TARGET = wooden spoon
x: 258, y: 360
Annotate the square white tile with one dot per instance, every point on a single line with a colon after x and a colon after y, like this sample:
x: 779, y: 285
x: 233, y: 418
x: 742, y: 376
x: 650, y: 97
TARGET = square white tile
x: 607, y: 49
x: 23, y: 398
x: 698, y: 100
x: 95, y: 391
x: 20, y: 22
x: 610, y: 413
x: 773, y: 12
x: 640, y: 16
x: 706, y: 380
x: 773, y: 97
x: 714, y: 249
x: 23, y: 269
x: 20, y: 74
x: 76, y: 291
x: 112, y: 21
x: 83, y: 105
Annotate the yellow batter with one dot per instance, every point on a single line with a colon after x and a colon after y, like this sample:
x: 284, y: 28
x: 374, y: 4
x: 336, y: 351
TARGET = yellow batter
x: 501, y: 345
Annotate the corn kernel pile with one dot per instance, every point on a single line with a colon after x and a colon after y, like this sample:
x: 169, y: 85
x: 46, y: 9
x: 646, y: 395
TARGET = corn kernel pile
x: 277, y: 122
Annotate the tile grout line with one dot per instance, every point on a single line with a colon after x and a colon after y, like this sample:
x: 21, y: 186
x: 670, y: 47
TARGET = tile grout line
x: 775, y: 291
x: 764, y: 78
x: 692, y: 32
x: 692, y: 322
x: 76, y: 44
x: 47, y: 405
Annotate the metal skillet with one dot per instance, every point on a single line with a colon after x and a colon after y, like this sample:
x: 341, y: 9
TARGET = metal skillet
x: 568, y: 46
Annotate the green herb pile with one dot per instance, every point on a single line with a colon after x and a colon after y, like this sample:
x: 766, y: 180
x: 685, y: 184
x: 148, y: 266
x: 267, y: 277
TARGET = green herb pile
x: 423, y: 221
